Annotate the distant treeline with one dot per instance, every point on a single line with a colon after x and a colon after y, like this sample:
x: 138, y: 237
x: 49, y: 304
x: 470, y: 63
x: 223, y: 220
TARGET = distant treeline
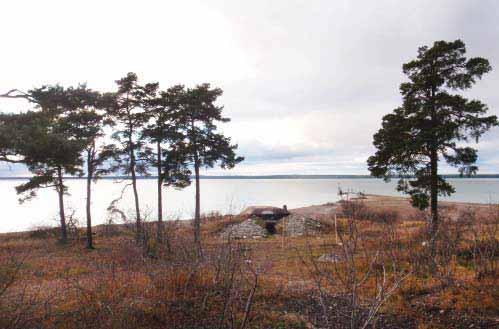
x: 452, y: 176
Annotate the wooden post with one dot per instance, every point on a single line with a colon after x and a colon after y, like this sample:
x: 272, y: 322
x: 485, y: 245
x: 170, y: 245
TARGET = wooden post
x: 285, y: 207
x: 335, y: 229
x: 283, y: 232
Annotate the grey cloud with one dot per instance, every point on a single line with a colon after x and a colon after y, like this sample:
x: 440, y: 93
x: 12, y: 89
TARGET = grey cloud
x: 345, y: 58
x: 324, y: 72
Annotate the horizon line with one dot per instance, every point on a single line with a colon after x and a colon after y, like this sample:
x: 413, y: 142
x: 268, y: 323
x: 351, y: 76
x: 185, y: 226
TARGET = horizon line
x: 276, y: 176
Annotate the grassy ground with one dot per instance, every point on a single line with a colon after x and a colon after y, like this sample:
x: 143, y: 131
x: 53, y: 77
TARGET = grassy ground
x: 383, y: 274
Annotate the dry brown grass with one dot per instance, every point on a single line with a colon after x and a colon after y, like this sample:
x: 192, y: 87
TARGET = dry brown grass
x: 119, y: 286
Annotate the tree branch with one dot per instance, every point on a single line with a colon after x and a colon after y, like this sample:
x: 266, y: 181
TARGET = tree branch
x: 20, y: 94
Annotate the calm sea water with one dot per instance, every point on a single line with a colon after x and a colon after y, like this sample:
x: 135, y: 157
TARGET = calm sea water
x: 223, y: 195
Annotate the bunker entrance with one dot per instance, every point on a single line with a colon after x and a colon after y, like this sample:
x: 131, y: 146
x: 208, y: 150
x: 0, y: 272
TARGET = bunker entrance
x: 270, y: 227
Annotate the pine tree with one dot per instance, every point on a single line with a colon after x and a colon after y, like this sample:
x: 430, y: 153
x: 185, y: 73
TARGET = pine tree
x: 169, y: 157
x: 87, y: 123
x: 205, y: 146
x: 125, y: 108
x: 432, y: 124
x: 43, y: 141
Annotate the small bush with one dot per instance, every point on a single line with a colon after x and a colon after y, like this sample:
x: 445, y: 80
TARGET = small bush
x: 44, y: 232
x: 358, y: 210
x: 212, y: 216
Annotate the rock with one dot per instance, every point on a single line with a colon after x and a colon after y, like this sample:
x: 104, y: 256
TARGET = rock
x: 250, y: 228
x: 331, y: 258
x: 298, y: 225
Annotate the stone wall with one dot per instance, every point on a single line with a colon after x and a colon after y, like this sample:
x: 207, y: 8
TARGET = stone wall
x: 298, y: 225
x: 248, y: 229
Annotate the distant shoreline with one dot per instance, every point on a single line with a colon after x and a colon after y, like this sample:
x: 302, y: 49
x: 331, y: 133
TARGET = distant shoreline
x: 377, y: 200
x: 269, y: 177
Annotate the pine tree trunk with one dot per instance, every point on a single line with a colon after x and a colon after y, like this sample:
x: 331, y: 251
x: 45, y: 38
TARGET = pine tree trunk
x: 160, y: 196
x: 90, y: 171
x: 197, y: 218
x: 62, y: 216
x: 138, y: 221
x: 433, y: 178
x: 434, y: 201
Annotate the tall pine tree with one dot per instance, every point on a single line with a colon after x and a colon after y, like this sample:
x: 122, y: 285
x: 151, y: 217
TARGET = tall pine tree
x: 168, y: 155
x: 432, y: 125
x: 125, y: 109
x: 45, y: 142
x: 87, y: 124
x: 205, y: 146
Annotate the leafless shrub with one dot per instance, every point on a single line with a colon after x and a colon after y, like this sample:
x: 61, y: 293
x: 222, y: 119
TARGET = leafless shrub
x: 353, y: 209
x: 382, y: 216
x: 482, y: 242
x: 18, y: 302
x: 353, y: 286
x: 44, y: 232
x: 219, y: 288
x: 360, y: 211
x: 105, y: 301
x: 51, y: 231
x: 212, y: 216
x: 442, y: 260
x: 464, y: 237
x: 447, y: 243
x: 10, y: 267
x: 109, y: 228
x: 117, y: 215
x: 73, y: 225
x: 180, y: 291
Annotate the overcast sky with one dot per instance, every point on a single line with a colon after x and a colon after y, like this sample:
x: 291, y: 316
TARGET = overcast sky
x: 305, y: 83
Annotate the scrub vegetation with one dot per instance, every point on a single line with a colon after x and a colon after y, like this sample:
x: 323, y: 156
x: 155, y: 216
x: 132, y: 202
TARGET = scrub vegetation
x: 376, y: 273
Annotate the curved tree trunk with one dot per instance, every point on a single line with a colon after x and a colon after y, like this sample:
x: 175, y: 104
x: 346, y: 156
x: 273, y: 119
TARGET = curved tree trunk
x: 62, y: 216
x: 138, y: 221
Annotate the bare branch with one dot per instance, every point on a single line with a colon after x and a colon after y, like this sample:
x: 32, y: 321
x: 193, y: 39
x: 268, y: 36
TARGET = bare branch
x: 16, y: 93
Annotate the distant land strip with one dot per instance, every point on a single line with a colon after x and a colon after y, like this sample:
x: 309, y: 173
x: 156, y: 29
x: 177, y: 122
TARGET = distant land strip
x: 265, y: 177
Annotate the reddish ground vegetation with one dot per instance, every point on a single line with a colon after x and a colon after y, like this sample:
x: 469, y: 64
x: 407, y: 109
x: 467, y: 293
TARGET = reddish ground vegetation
x: 377, y: 273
